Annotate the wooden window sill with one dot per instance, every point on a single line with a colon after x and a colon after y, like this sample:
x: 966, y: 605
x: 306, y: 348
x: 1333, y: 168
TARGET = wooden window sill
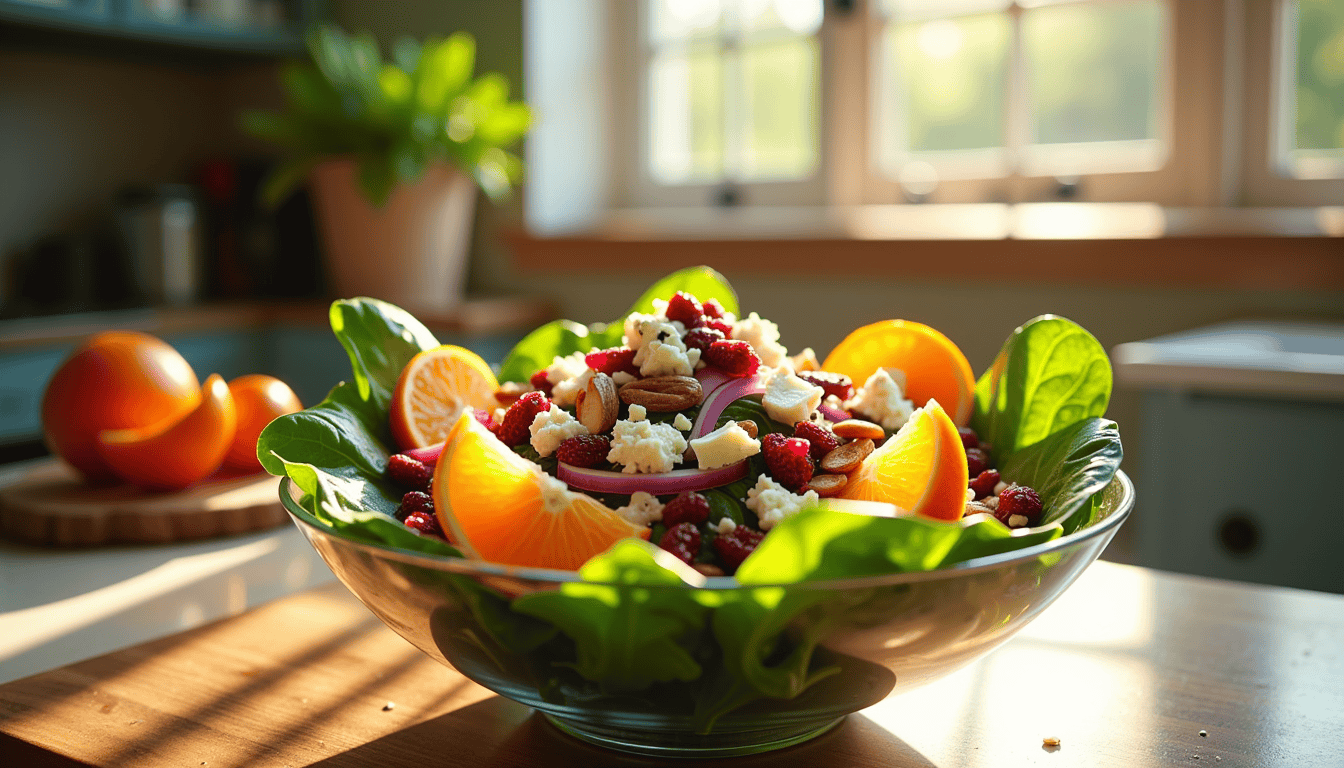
x: 1112, y: 243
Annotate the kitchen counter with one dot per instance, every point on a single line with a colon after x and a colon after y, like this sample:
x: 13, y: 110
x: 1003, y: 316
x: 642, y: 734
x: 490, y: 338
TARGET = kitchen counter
x: 1131, y: 667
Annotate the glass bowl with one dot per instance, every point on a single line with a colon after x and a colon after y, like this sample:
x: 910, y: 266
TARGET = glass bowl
x: 772, y: 666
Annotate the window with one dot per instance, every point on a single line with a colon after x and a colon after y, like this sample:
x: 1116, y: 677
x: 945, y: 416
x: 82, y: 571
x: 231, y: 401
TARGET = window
x: 1310, y: 135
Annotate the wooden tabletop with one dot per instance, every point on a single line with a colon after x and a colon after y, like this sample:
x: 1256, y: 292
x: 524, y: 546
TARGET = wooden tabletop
x: 1130, y: 668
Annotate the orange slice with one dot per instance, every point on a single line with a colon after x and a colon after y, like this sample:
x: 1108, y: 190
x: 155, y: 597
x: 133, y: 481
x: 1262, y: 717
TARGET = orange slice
x: 935, y: 369
x: 434, y: 388
x: 175, y: 452
x: 502, y: 508
x: 921, y: 469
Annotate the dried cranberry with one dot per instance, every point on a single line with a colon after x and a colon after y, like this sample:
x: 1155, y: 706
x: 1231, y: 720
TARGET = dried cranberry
x: 977, y: 461
x: 484, y: 417
x: 584, y: 450
x: 968, y: 437
x: 540, y: 383
x: 836, y: 384
x: 415, y: 501
x: 735, y: 358
x: 712, y: 308
x: 787, y: 460
x: 701, y: 338
x: 734, y: 547
x: 685, y: 309
x: 1019, y: 500
x: 517, y: 420
x: 612, y: 361
x: 984, y: 483
x: 425, y: 523
x: 821, y: 438
x: 408, y: 472
x: 722, y: 326
x: 682, y: 540
x: 687, y: 507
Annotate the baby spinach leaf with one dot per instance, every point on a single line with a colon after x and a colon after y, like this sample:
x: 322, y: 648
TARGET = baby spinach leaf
x: 1049, y: 375
x: 540, y: 347
x: 701, y: 282
x: 380, y: 339
x: 631, y: 636
x: 1068, y: 469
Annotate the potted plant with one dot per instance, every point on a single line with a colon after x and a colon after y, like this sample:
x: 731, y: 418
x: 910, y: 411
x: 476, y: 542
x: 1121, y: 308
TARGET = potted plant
x: 394, y: 151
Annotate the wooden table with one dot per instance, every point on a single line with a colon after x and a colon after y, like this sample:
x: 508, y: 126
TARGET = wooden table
x: 1131, y: 668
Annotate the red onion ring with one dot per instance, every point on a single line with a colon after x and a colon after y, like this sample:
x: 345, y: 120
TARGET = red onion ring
x: 711, y: 379
x: 712, y: 406
x: 831, y: 413
x: 658, y: 483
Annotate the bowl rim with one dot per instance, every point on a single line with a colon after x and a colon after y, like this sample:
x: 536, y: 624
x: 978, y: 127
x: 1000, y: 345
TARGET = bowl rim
x: 466, y: 566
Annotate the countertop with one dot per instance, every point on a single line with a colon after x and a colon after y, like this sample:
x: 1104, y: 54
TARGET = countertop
x: 1131, y: 667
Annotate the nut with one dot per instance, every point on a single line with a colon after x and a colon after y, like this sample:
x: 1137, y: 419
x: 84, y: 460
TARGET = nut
x: 977, y: 508
x: 509, y: 392
x: 708, y: 569
x: 749, y: 427
x: 847, y: 457
x: 597, y: 405
x: 663, y: 394
x: 826, y: 485
x: 854, y: 429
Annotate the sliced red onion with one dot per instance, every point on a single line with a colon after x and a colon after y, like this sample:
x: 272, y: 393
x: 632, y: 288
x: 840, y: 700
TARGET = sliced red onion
x: 429, y: 455
x: 711, y: 379
x: 712, y: 406
x: 658, y: 484
x: 831, y: 413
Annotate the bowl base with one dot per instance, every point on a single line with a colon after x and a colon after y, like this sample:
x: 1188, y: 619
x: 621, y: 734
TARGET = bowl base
x: 731, y: 744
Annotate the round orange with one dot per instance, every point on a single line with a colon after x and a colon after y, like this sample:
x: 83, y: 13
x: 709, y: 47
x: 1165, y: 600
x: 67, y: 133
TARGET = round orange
x: 500, y: 507
x: 935, y: 368
x: 921, y: 469
x: 115, y: 380
x: 434, y: 388
x: 176, y: 452
x: 259, y: 400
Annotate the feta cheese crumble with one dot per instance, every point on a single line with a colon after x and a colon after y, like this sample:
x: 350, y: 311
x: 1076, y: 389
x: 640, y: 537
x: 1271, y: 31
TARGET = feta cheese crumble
x: 724, y: 527
x: 551, y: 428
x: 881, y: 400
x: 643, y: 446
x: 1017, y: 521
x: 682, y: 423
x: 763, y: 336
x: 726, y: 445
x: 773, y: 502
x: 643, y: 509
x: 788, y: 399
x: 638, y: 413
x: 568, y: 376
x: 659, y: 350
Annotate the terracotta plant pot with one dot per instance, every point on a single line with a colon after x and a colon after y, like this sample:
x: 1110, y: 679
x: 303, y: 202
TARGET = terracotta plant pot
x: 411, y: 252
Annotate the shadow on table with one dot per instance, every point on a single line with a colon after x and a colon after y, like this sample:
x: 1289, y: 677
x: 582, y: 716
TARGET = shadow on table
x: 510, y: 735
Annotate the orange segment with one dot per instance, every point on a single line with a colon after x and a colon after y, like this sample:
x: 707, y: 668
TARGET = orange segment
x: 434, y: 389
x: 502, y: 508
x: 175, y: 452
x: 935, y: 369
x: 921, y: 469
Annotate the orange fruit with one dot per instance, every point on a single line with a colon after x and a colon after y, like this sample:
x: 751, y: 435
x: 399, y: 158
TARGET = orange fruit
x: 921, y: 469
x: 935, y: 369
x: 176, y: 452
x: 502, y: 508
x: 259, y: 400
x: 115, y: 380
x: 434, y: 388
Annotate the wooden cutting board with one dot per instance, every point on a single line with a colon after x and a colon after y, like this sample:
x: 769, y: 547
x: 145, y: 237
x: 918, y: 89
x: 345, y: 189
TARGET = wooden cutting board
x: 50, y: 504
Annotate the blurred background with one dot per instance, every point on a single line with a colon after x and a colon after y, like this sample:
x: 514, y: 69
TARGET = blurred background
x: 1167, y: 173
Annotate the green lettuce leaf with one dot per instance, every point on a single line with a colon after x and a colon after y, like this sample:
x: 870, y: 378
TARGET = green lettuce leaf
x: 380, y: 339
x: 1068, y: 469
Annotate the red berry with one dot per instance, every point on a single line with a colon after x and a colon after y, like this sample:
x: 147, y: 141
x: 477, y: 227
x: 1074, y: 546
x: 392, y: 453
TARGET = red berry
x: 722, y: 326
x: 540, y: 383
x: 821, y: 438
x: 687, y: 507
x: 484, y: 417
x: 977, y: 461
x: 984, y: 483
x: 968, y: 438
x: 1019, y: 500
x: 734, y: 547
x: 425, y: 523
x: 712, y: 308
x: 584, y: 450
x: 701, y: 338
x: 683, y: 308
x: 735, y: 358
x: 787, y: 460
x: 612, y: 361
x: 836, y: 384
x: 514, y: 430
x: 682, y: 540
x: 415, y: 501
x: 409, y: 473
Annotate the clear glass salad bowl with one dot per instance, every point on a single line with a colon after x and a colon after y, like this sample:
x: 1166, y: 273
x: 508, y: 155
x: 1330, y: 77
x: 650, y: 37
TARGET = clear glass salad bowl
x: 772, y: 665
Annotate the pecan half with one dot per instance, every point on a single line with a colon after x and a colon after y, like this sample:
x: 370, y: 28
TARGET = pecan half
x: 663, y: 394
x: 598, y: 405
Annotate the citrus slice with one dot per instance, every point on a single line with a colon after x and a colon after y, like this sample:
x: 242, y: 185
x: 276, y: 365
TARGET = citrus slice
x: 177, y: 451
x: 935, y: 369
x: 434, y: 388
x: 921, y: 469
x: 502, y: 508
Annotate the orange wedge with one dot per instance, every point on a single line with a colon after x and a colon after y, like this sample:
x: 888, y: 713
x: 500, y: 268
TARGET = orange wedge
x: 434, y: 388
x: 935, y: 369
x: 177, y: 451
x: 921, y: 469
x: 502, y: 508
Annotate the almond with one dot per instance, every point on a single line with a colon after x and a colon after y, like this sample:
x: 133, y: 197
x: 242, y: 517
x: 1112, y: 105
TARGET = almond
x: 598, y: 405
x: 663, y: 394
x: 854, y: 429
x: 826, y: 485
x: 749, y: 427
x: 847, y: 457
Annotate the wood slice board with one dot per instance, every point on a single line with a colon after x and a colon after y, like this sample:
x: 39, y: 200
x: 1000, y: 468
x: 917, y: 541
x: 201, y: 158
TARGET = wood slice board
x: 51, y: 505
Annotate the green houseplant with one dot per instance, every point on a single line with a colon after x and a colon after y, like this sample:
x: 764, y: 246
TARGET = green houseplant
x: 394, y: 150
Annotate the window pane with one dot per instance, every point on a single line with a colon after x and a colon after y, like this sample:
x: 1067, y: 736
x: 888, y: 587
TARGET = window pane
x: 794, y: 17
x: 680, y: 20
x: 685, y: 117
x: 1092, y: 71
x: 943, y: 84
x: 780, y: 135
x: 1318, y: 122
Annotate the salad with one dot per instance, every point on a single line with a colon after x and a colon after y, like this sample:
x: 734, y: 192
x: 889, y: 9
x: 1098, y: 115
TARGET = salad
x: 681, y: 443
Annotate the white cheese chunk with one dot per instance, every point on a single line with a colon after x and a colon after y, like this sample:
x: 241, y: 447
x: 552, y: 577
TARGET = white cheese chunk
x: 763, y: 336
x: 568, y: 376
x: 551, y: 428
x: 881, y: 400
x: 773, y: 502
x: 726, y: 445
x: 788, y: 399
x: 643, y: 509
x: 724, y: 527
x: 638, y: 413
x: 643, y: 446
x: 682, y: 423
